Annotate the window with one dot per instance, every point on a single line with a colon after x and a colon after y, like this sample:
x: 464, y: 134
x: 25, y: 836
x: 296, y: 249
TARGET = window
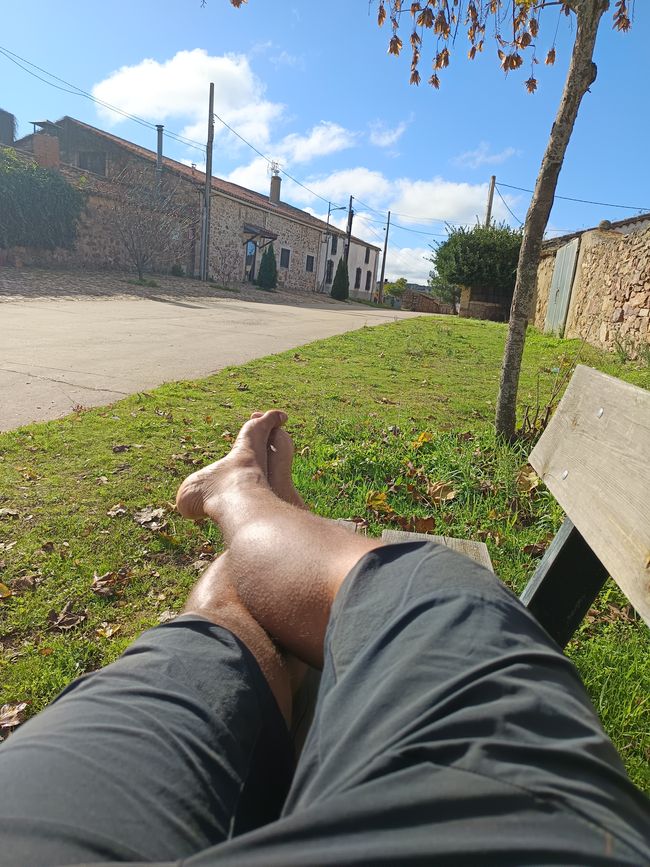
x: 367, y: 259
x: 309, y: 264
x: 285, y: 257
x: 357, y: 278
x: 335, y: 242
x: 93, y: 161
x: 368, y: 279
x: 329, y: 270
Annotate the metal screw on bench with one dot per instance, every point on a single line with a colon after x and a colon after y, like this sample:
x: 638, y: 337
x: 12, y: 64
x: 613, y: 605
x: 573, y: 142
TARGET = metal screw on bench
x: 565, y: 474
x: 600, y: 412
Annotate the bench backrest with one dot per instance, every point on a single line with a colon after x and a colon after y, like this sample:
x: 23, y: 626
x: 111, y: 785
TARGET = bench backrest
x: 594, y: 456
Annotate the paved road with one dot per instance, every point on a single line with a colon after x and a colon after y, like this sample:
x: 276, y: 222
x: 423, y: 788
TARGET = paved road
x: 55, y: 354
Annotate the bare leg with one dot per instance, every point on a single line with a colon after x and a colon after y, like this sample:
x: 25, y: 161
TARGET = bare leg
x: 285, y: 563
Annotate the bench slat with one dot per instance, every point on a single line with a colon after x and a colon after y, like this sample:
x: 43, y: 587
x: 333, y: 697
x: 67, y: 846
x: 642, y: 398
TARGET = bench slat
x: 474, y: 550
x: 594, y: 457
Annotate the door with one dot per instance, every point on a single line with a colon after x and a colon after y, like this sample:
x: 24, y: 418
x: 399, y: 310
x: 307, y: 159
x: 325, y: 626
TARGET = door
x: 251, y: 254
x: 560, y: 292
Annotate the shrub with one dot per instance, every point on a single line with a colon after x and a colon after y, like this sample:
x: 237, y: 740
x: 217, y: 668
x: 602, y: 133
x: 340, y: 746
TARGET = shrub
x: 341, y: 285
x: 267, y: 276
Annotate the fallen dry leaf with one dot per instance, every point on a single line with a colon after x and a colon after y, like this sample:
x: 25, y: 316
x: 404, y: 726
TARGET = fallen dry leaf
x: 152, y: 519
x: 424, y: 525
x: 527, y: 479
x: 25, y: 582
x: 166, y: 616
x: 67, y: 619
x: 102, y: 480
x: 5, y: 592
x: 8, y: 513
x: 535, y: 549
x: 107, y: 630
x: 441, y: 492
x: 110, y: 583
x: 11, y: 715
x: 199, y: 565
x: 242, y: 387
x: 7, y: 546
x: 116, y: 511
x: 47, y: 547
x: 378, y: 502
x: 121, y: 448
x: 424, y: 437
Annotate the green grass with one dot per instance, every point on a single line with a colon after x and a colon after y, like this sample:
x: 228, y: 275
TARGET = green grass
x: 357, y: 405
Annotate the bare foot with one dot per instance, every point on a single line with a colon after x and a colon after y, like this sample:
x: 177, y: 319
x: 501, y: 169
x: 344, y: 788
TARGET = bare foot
x: 243, y: 470
x: 279, y: 463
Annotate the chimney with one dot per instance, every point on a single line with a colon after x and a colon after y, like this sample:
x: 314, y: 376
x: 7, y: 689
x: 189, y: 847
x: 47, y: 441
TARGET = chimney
x: 276, y: 181
x: 7, y: 128
x: 46, y: 150
x: 159, y: 152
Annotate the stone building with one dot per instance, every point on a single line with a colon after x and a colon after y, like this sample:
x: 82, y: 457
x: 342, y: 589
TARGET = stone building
x: 243, y: 221
x: 595, y: 285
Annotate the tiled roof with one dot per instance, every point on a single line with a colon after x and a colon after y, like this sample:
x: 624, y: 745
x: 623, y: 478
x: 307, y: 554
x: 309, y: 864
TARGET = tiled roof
x: 227, y: 188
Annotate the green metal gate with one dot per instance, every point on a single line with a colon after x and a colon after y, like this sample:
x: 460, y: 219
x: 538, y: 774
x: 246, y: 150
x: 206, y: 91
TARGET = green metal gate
x: 560, y: 292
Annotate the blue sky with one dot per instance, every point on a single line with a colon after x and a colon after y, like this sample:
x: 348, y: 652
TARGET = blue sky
x: 312, y: 86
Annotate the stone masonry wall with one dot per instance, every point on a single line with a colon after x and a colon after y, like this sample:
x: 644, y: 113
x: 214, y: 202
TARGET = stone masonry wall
x: 228, y: 244
x: 610, y: 301
x: 610, y: 298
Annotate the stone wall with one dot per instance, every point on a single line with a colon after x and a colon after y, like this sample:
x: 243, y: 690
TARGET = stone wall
x: 419, y: 302
x: 610, y: 298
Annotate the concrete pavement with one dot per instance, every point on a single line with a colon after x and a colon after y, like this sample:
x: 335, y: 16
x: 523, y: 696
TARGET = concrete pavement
x: 59, y: 353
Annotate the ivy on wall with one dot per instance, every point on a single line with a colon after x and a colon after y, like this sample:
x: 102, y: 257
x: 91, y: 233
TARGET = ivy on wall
x: 38, y: 207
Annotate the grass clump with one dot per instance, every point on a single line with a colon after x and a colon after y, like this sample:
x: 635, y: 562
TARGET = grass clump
x: 144, y: 281
x: 382, y: 418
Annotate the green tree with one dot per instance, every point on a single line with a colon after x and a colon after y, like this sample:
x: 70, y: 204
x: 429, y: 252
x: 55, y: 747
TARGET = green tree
x: 397, y: 288
x: 482, y: 257
x: 38, y: 207
x: 341, y: 285
x: 267, y: 275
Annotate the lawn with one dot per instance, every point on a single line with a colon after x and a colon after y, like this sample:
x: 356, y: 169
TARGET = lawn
x: 392, y: 426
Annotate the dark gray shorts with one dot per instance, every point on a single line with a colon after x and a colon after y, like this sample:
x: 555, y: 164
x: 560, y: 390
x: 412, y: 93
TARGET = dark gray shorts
x: 449, y: 730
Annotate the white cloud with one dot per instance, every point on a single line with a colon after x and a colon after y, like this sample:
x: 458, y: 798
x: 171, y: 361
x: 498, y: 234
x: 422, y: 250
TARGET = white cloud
x: 177, y: 89
x: 481, y: 156
x: 363, y: 183
x: 254, y: 176
x: 382, y: 136
x: 325, y: 138
x: 283, y: 58
x: 409, y: 262
x: 439, y: 199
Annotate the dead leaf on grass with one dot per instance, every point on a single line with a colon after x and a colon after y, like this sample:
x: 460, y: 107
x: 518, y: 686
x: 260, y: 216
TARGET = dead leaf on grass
x: 67, y: 619
x: 7, y: 546
x: 527, y: 479
x: 152, y: 519
x: 102, y: 480
x: 424, y: 437
x: 378, y: 502
x: 110, y: 583
x: 166, y: 616
x: 242, y: 387
x: 25, y: 582
x: 199, y: 565
x: 535, y: 549
x: 121, y: 448
x: 12, y: 715
x: 227, y: 436
x: 8, y: 513
x: 107, y: 630
x: 117, y: 510
x: 441, y: 492
x: 5, y: 592
x: 47, y: 547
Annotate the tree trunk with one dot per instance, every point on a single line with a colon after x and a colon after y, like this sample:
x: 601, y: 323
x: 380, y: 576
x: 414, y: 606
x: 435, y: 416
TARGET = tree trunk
x: 581, y: 75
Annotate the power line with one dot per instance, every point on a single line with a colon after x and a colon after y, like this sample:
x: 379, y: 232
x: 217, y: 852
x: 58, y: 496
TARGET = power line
x: 514, y: 216
x: 582, y: 201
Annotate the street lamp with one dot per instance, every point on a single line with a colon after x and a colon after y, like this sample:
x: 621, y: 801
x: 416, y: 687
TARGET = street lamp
x: 330, y: 210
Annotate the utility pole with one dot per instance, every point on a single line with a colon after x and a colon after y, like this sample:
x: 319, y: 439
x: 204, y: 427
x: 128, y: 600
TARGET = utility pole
x: 380, y: 294
x: 207, y: 201
x: 349, y: 231
x: 488, y: 212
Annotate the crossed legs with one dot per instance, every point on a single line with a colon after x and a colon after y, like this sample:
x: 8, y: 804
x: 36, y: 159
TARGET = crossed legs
x: 283, y: 565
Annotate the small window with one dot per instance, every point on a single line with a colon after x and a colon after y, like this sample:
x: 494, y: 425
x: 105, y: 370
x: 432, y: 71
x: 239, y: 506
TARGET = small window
x: 329, y: 271
x: 357, y: 278
x: 367, y: 259
x: 93, y: 161
x: 368, y: 279
x: 309, y: 264
x: 335, y: 243
x: 285, y: 256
